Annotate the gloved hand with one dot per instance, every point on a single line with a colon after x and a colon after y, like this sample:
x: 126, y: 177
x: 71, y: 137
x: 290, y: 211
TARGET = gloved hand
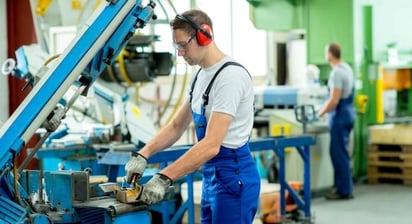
x: 135, y: 167
x: 155, y: 189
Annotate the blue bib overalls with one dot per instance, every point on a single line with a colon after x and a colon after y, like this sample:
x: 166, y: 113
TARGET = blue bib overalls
x: 231, y: 183
x: 341, y: 121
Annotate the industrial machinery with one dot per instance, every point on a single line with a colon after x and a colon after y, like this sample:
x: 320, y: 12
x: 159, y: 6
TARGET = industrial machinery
x: 138, y: 64
x: 287, y: 97
x: 277, y: 105
x: 65, y: 196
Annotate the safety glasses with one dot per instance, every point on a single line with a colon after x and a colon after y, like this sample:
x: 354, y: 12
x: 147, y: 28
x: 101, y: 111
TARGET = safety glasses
x: 183, y: 45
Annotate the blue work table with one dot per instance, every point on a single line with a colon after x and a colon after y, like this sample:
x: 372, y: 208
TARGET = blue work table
x: 278, y: 144
x: 117, y: 158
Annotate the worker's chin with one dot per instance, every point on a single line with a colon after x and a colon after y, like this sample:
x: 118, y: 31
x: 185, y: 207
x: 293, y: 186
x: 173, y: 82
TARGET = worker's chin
x: 189, y: 61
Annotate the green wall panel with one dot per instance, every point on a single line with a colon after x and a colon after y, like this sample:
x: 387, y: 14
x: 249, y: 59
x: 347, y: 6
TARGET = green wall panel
x: 279, y: 15
x: 327, y: 21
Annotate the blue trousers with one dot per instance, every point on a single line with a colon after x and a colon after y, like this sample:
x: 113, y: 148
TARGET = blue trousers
x: 339, y: 133
x: 231, y: 187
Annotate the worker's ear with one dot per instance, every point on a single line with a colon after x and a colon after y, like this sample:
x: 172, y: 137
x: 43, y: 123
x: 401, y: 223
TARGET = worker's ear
x: 204, y: 35
x: 203, y: 31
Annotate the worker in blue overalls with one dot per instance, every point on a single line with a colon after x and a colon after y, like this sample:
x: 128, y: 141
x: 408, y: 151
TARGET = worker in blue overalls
x: 340, y: 109
x: 220, y: 103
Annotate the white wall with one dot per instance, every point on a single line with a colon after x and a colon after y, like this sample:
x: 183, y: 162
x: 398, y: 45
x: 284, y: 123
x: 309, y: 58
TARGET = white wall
x: 391, y: 23
x: 4, y: 103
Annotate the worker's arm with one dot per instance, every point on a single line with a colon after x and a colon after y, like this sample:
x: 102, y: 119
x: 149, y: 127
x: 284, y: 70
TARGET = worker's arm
x: 332, y: 102
x: 169, y: 134
x: 204, y: 150
x: 166, y: 137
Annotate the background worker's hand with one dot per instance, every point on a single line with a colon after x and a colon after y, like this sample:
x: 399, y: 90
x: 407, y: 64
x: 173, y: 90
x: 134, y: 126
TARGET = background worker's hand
x: 135, y: 167
x: 155, y: 189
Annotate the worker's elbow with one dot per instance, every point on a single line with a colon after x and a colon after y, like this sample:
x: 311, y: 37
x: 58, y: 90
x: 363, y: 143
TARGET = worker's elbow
x: 213, y: 147
x: 334, y: 103
x: 215, y: 150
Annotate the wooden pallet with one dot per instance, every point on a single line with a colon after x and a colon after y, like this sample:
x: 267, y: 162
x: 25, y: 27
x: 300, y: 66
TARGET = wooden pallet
x: 391, y: 180
x: 390, y: 164
x: 389, y: 148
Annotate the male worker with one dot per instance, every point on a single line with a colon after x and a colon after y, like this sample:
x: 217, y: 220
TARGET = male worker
x: 221, y: 104
x: 341, y: 118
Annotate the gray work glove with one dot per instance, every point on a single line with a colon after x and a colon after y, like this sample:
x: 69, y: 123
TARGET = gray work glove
x: 155, y: 189
x: 135, y: 168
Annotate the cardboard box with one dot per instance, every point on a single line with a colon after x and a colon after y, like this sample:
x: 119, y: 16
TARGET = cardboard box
x: 395, y: 134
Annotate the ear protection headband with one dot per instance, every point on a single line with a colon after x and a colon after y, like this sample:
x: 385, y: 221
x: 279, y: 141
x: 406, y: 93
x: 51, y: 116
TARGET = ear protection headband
x: 203, y: 31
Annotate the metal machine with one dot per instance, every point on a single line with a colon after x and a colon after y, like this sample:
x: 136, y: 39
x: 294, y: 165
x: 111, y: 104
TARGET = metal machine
x: 57, y: 196
x: 287, y: 97
x: 276, y: 105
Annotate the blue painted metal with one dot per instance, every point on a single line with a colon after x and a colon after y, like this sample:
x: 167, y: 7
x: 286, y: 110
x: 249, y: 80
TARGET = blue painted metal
x: 136, y: 217
x: 42, y: 93
x: 277, y: 144
x: 57, y: 135
x: 74, y: 57
x: 10, y: 212
x: 280, y: 96
x: 22, y: 68
x: 99, y: 42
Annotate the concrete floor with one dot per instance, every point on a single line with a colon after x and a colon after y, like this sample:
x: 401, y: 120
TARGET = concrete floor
x: 377, y: 204
x: 373, y: 204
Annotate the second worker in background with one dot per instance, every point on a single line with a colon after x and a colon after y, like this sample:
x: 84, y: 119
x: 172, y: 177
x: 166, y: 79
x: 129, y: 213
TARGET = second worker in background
x: 341, y: 114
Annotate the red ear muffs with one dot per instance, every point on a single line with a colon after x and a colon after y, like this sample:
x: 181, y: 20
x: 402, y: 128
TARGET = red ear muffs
x: 203, y: 32
x: 204, y: 35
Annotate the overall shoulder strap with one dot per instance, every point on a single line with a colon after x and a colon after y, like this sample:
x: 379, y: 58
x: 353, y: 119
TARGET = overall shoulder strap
x: 205, y: 96
x: 193, y: 85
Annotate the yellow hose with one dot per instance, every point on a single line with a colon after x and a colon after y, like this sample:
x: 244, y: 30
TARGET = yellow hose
x: 122, y: 66
x: 179, y: 100
x: 51, y: 59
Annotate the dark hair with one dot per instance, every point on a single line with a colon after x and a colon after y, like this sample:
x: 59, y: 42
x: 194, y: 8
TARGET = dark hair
x: 196, y: 16
x: 334, y: 50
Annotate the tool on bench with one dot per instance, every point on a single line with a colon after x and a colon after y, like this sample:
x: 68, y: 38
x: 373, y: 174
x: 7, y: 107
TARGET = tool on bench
x: 131, y: 193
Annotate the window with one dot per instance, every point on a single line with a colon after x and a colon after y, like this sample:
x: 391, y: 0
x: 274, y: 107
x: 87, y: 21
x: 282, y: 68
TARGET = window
x: 236, y: 35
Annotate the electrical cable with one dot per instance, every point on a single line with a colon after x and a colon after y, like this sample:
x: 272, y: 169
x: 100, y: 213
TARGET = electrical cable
x: 169, y: 99
x: 15, y: 180
x: 180, y: 98
x: 122, y: 66
x: 51, y: 59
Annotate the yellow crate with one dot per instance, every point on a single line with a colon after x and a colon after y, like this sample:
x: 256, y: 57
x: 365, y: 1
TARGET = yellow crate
x: 398, y: 79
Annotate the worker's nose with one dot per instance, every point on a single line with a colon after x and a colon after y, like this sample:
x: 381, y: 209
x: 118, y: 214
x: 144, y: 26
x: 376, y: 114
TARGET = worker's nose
x: 180, y: 52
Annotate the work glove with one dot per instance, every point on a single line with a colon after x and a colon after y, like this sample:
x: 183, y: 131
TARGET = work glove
x: 135, y: 168
x: 155, y: 189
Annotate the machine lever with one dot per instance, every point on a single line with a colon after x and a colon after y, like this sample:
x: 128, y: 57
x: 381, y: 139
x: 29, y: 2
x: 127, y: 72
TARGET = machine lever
x: 33, y: 152
x: 46, y: 135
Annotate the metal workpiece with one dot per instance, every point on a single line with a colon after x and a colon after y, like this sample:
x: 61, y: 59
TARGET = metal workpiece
x: 112, y: 205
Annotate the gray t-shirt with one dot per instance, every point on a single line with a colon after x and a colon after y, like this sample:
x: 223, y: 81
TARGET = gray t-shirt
x: 341, y: 77
x: 232, y: 94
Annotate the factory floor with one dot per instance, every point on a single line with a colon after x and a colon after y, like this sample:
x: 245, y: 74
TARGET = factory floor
x: 378, y: 204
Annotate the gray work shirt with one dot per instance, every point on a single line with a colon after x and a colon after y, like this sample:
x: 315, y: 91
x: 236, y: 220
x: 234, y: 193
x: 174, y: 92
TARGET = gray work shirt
x: 341, y: 77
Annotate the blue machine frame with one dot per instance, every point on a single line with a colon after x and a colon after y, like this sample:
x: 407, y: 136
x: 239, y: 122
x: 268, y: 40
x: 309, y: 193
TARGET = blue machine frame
x: 97, y: 44
x: 277, y: 144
